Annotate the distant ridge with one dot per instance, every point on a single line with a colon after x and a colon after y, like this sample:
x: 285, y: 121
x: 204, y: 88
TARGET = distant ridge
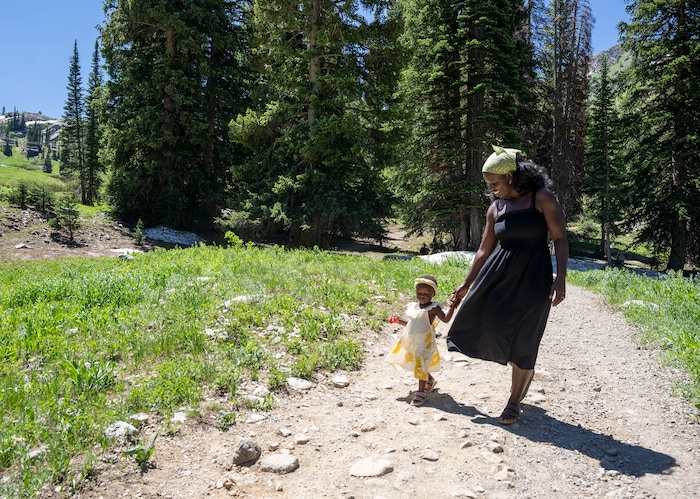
x: 30, y: 116
x: 618, y: 60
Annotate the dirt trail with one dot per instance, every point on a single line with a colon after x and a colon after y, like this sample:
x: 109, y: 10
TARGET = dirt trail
x: 599, y: 421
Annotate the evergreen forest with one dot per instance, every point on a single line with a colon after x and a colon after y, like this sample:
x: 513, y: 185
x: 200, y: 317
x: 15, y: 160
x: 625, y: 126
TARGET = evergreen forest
x: 301, y: 121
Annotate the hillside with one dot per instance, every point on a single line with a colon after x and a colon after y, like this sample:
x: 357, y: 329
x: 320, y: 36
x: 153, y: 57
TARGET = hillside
x: 618, y: 60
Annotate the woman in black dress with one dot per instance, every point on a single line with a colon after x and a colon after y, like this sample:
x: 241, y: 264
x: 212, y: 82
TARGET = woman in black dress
x: 510, y: 288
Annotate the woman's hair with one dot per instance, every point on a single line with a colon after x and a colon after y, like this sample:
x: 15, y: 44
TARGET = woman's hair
x: 529, y: 176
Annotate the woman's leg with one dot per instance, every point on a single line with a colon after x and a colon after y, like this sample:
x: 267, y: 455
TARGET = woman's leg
x: 519, y: 384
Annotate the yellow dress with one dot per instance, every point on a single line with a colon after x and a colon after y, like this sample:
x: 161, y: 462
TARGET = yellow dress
x: 416, y: 349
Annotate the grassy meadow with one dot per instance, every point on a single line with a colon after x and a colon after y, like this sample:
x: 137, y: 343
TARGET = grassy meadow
x: 87, y: 342
x: 17, y: 170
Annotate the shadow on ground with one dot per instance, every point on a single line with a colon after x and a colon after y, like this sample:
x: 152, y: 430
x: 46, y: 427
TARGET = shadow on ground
x: 612, y: 454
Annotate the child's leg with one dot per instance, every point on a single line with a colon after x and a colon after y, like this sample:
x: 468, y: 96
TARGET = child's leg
x: 430, y: 383
x: 421, y: 394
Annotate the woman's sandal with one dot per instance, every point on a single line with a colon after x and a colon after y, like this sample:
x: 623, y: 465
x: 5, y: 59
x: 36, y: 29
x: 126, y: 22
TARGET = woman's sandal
x: 510, y: 415
x: 418, y: 399
x: 430, y: 385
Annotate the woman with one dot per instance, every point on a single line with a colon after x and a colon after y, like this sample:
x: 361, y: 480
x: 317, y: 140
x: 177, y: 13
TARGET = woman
x: 505, y: 312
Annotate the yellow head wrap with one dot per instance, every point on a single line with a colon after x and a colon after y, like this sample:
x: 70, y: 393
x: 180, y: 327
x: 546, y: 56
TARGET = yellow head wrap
x: 501, y: 161
x: 425, y: 280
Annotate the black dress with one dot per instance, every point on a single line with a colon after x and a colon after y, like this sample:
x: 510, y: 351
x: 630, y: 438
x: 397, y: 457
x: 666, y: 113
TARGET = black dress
x: 503, y: 316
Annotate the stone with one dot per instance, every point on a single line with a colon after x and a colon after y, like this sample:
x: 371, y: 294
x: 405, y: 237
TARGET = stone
x: 301, y: 439
x: 140, y: 419
x: 371, y: 467
x: 280, y: 464
x: 121, y: 431
x: 430, y: 455
x: 299, y: 384
x: 494, y: 447
x: 245, y: 451
x: 366, y: 426
x: 341, y: 382
x: 179, y: 417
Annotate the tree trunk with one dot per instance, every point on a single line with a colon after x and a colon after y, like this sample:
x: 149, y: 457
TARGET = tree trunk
x: 679, y: 226
x: 314, y: 59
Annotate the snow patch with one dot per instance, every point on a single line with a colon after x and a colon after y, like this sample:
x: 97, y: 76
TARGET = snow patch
x: 173, y: 236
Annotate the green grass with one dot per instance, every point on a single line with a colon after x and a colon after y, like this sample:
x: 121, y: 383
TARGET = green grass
x: 19, y: 170
x: 665, y: 310
x: 87, y: 342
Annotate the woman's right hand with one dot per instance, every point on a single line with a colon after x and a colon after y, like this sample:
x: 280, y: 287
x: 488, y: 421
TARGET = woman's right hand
x: 455, y: 298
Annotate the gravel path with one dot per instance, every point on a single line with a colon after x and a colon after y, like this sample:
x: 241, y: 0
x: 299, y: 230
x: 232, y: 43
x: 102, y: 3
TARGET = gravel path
x: 599, y: 421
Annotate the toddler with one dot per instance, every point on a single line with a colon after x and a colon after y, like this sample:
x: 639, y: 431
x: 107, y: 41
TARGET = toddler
x: 416, y: 349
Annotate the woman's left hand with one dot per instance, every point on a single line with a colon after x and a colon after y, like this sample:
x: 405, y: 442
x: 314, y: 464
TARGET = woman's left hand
x: 558, y: 292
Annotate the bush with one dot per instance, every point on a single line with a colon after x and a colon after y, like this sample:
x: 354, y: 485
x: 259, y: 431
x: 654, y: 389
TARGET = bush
x: 139, y: 235
x: 67, y: 215
x: 43, y: 199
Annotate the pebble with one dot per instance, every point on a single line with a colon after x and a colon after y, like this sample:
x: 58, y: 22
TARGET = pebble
x: 299, y: 384
x: 430, y: 455
x: 301, y: 439
x: 179, y: 417
x: 494, y: 447
x: 121, y: 431
x: 366, y: 426
x: 341, y: 382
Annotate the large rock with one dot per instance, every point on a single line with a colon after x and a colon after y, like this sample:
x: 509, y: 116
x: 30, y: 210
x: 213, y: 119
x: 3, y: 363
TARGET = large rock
x: 245, y: 451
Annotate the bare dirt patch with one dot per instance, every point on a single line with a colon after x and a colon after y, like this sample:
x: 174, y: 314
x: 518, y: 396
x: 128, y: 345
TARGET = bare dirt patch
x: 600, y: 420
x: 26, y: 235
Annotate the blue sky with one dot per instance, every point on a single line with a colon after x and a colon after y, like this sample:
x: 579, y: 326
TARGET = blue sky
x: 39, y: 35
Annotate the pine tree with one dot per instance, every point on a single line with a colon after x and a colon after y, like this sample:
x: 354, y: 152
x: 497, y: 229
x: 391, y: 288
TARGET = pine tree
x: 72, y: 139
x: 313, y: 138
x: 663, y: 126
x: 93, y: 166
x: 176, y: 78
x: 467, y: 82
x: 604, y: 177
